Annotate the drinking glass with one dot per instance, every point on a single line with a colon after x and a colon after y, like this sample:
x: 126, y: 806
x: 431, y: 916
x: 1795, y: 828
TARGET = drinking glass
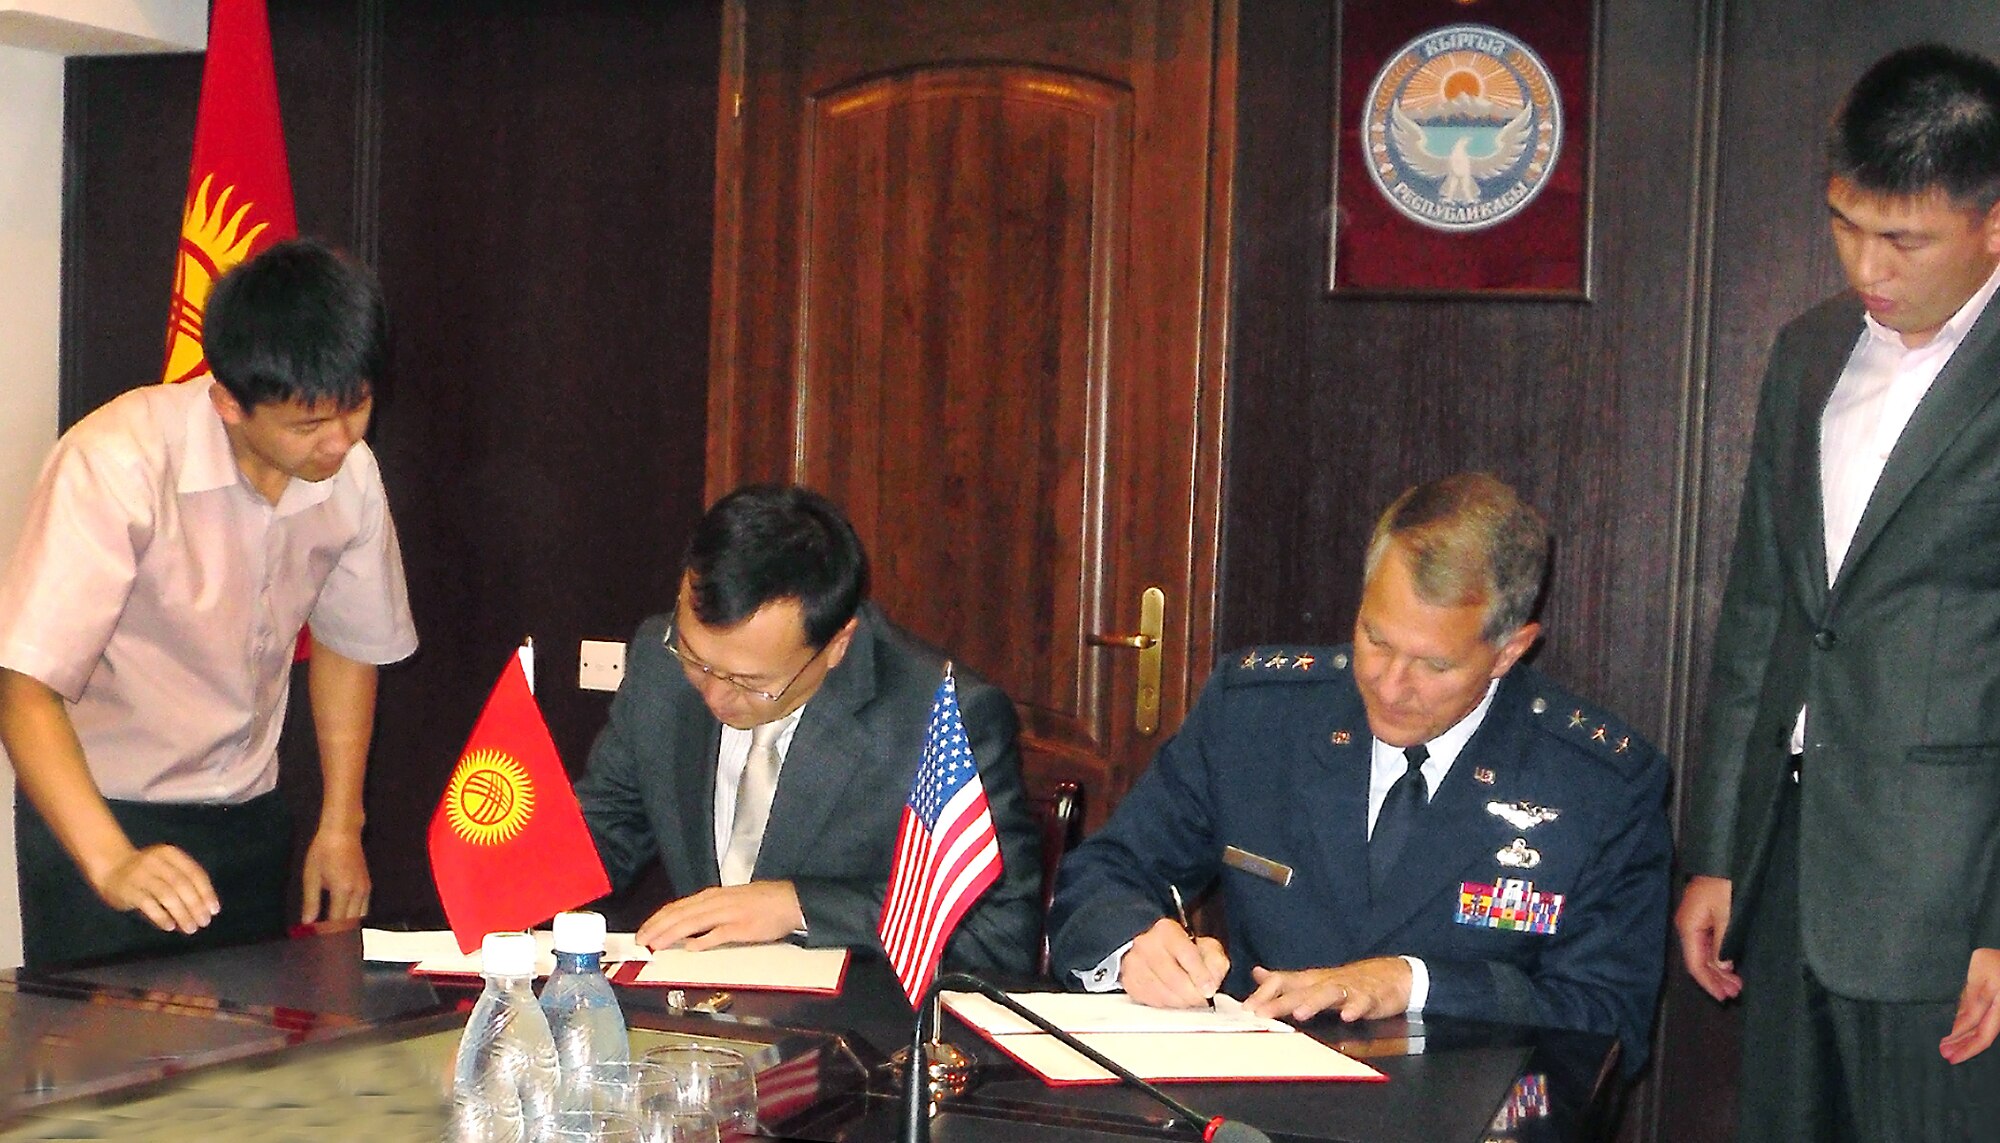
x: 674, y: 1126
x: 623, y: 1086
x: 712, y: 1079
x: 592, y: 1127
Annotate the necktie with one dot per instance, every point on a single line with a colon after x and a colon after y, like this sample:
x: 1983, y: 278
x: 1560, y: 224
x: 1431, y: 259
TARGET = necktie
x: 753, y: 804
x: 1397, y: 819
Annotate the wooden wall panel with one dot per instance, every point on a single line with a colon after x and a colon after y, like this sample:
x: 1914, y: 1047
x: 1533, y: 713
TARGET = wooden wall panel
x: 547, y: 175
x: 125, y: 171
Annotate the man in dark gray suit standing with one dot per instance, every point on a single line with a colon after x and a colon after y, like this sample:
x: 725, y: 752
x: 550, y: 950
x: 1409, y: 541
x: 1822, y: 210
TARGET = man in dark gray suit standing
x: 1844, y: 833
x: 764, y: 738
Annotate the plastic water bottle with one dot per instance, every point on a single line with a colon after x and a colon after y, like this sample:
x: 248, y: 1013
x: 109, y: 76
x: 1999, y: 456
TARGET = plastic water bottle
x: 504, y: 1086
x: 582, y: 1009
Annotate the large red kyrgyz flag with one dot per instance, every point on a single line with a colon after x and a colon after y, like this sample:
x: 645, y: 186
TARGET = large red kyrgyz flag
x: 239, y: 197
x: 508, y: 845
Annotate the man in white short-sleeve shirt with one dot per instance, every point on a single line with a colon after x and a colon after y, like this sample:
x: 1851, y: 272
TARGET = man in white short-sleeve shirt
x: 179, y: 538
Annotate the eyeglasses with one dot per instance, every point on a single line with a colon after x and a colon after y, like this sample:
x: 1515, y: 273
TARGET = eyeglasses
x: 691, y: 663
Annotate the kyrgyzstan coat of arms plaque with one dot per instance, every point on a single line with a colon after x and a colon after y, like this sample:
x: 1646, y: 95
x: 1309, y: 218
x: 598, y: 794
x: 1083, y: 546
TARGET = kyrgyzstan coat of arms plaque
x: 1462, y: 149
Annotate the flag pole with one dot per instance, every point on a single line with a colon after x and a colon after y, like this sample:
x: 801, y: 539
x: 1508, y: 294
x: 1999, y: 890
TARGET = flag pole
x: 527, y: 653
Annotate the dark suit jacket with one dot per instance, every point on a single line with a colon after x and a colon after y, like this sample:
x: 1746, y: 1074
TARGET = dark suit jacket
x: 1274, y: 759
x: 1898, y: 665
x: 834, y: 819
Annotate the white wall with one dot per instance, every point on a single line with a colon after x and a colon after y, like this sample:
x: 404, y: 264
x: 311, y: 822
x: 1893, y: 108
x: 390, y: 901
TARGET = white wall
x: 32, y: 44
x: 31, y: 90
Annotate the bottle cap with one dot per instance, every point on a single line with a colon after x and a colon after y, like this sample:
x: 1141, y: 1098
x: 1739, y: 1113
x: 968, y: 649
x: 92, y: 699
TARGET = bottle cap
x: 580, y: 932
x: 507, y: 954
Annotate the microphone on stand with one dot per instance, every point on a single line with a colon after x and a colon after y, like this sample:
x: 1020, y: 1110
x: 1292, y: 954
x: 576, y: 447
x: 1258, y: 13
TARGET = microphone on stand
x: 916, y: 1098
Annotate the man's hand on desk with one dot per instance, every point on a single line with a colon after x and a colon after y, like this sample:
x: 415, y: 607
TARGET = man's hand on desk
x: 162, y: 882
x: 726, y: 915
x: 1165, y: 968
x: 1371, y: 989
x: 336, y: 870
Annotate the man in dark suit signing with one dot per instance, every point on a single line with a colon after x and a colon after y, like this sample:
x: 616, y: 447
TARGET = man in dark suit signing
x: 1844, y: 825
x: 1413, y: 824
x: 764, y: 738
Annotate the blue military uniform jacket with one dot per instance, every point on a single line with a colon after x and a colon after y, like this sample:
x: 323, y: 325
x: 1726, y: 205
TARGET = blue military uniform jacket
x: 1534, y: 890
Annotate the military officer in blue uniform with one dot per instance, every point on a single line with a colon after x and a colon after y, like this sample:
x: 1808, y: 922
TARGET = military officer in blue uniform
x: 1413, y: 824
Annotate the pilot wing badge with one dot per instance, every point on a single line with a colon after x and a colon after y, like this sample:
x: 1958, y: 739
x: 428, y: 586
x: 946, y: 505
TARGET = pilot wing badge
x: 1462, y: 127
x: 1522, y: 815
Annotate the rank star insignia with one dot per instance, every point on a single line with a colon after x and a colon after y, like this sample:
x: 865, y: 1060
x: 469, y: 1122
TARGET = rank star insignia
x: 1304, y: 662
x: 1277, y: 660
x: 1342, y: 738
x: 1522, y: 815
x: 1597, y: 735
x: 1624, y: 744
x: 1575, y: 718
x: 1519, y: 855
x: 1249, y: 661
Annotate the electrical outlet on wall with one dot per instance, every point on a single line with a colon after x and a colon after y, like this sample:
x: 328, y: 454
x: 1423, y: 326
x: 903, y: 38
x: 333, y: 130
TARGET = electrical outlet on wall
x: 600, y: 665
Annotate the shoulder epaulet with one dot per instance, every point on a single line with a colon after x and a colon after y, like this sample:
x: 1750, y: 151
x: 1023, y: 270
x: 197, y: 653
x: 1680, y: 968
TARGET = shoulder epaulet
x: 1282, y: 664
x: 1590, y: 730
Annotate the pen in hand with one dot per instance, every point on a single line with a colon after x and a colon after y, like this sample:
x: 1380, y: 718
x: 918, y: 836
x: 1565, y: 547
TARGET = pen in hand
x: 1180, y: 914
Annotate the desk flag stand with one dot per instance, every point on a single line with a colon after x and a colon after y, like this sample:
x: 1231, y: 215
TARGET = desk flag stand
x: 947, y: 1070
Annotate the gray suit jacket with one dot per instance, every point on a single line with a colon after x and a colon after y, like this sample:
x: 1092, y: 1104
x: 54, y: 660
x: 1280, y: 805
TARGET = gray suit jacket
x: 1897, y: 663
x: 834, y: 819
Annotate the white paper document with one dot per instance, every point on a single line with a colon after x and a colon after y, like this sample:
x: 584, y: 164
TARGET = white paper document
x: 1226, y: 1043
x: 436, y: 951
x: 1169, y: 1057
x: 777, y: 966
x: 1077, y: 1012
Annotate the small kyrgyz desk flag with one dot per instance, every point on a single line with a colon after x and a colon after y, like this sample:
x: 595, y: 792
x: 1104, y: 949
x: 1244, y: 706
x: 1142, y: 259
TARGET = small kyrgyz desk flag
x: 508, y: 845
x: 239, y: 197
x: 947, y: 852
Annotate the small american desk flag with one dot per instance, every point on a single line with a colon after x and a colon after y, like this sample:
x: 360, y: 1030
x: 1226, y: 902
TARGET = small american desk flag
x: 947, y: 853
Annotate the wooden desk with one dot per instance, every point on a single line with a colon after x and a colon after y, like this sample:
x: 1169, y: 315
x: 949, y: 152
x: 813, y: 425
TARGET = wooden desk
x: 125, y: 1032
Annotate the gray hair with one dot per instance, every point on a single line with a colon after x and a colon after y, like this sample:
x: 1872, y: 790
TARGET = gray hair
x: 1470, y: 540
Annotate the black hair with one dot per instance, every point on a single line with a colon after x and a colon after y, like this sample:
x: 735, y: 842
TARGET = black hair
x: 297, y: 322
x: 767, y: 542
x: 1924, y: 118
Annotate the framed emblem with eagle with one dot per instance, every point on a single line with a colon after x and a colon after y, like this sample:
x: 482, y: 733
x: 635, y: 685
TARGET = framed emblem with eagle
x: 1462, y: 148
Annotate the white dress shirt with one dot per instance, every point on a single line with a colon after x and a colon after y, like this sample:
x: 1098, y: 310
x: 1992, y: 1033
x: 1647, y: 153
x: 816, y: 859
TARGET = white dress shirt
x: 730, y: 759
x: 1388, y: 763
x: 161, y: 595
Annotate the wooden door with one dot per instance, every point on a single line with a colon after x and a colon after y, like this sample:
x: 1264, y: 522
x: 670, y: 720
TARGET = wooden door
x: 971, y: 271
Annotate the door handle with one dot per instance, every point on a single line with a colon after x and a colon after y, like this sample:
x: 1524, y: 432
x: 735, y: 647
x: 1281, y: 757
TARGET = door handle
x: 1146, y: 641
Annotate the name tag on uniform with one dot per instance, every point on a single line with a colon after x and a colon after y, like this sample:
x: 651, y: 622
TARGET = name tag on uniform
x: 1273, y: 871
x: 1510, y: 904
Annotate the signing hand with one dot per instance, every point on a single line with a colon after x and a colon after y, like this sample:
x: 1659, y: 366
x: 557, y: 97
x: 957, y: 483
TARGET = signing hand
x: 170, y: 888
x: 1165, y: 968
x: 726, y: 915
x: 338, y: 870
x: 1369, y: 989
x: 1978, y: 1019
x: 1702, y: 919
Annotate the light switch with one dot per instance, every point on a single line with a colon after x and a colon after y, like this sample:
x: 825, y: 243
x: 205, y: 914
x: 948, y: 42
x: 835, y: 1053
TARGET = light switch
x: 600, y: 665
